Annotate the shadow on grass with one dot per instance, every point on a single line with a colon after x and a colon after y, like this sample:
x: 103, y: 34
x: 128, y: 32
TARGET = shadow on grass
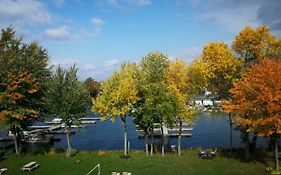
x: 263, y: 156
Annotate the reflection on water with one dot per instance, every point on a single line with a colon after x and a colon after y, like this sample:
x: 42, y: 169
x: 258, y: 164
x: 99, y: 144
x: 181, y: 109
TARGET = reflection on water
x: 209, y: 131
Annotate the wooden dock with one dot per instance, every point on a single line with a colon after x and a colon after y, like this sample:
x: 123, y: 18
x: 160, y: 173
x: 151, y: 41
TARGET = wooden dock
x: 185, y: 135
x: 90, y: 118
x: 168, y: 132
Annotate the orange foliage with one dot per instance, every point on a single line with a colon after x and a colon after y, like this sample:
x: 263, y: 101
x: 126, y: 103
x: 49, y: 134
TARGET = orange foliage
x: 17, y: 88
x: 256, y: 98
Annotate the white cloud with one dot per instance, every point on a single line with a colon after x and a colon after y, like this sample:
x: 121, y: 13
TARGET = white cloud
x: 24, y: 11
x: 91, y: 33
x: 234, y: 18
x: 59, y: 3
x: 143, y: 2
x: 60, y: 33
x: 110, y: 63
x: 97, y: 21
x: 67, y: 62
x: 189, y: 54
x: 87, y: 67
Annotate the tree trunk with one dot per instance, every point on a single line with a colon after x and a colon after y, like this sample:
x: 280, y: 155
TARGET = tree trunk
x: 179, y: 140
x: 230, y: 131
x: 276, y: 154
x: 68, y: 135
x: 274, y: 144
x: 125, y: 137
x: 152, y: 142
x: 16, y: 140
x: 246, y: 145
x: 162, y: 141
x: 254, y: 143
x: 146, y: 145
x: 16, y: 144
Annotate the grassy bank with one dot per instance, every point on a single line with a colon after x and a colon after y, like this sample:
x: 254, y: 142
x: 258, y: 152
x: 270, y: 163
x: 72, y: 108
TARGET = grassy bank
x: 138, y: 164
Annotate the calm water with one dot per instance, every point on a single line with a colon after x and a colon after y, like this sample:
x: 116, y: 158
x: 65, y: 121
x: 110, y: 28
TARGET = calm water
x: 208, y: 131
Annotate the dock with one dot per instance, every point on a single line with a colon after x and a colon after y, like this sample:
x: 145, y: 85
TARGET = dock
x: 168, y: 135
x: 168, y: 132
x: 90, y: 118
x: 84, y: 120
x: 60, y: 132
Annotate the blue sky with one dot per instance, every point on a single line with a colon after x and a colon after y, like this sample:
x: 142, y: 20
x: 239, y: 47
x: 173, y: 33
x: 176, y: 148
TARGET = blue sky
x: 98, y: 35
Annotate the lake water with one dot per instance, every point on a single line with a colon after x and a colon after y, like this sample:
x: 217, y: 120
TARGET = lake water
x: 208, y: 131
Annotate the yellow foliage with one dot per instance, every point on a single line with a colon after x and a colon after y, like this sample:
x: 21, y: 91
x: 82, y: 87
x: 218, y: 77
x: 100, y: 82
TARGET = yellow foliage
x: 118, y: 94
x: 178, y: 84
x: 252, y: 44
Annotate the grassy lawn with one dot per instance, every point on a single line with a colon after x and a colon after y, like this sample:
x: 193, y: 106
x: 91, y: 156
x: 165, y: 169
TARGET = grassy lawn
x: 138, y: 164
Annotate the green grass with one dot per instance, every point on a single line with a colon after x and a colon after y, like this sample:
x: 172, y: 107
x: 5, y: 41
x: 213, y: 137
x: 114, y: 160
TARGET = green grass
x: 138, y: 164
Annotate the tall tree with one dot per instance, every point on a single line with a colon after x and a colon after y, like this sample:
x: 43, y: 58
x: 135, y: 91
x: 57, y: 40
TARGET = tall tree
x: 218, y: 69
x: 256, y: 101
x: 222, y: 68
x: 251, y: 44
x: 66, y: 98
x: 23, y: 68
x: 16, y: 112
x: 198, y: 79
x: 118, y: 97
x: 156, y: 104
x: 178, y: 84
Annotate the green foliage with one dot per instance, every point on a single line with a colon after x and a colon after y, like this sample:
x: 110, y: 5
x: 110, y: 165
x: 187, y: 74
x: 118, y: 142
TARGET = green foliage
x: 22, y: 66
x: 155, y: 104
x: 66, y: 98
x: 23, y: 70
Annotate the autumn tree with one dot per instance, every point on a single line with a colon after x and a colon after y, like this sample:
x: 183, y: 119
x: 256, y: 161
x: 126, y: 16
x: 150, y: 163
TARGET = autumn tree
x: 216, y: 70
x: 256, y: 101
x: 23, y: 71
x: 251, y: 44
x: 67, y: 99
x: 92, y: 86
x: 178, y: 84
x: 222, y: 68
x: 16, y: 110
x: 198, y: 79
x: 117, y: 97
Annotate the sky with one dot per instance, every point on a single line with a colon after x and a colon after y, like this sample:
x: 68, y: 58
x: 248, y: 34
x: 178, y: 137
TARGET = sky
x: 99, y: 35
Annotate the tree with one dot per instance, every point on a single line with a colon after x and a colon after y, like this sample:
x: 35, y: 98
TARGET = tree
x: 178, y: 84
x: 256, y: 100
x: 222, y: 68
x: 252, y: 44
x: 67, y: 99
x: 156, y: 105
x: 92, y: 86
x: 117, y: 97
x: 15, y: 97
x: 23, y: 71
x: 197, y: 73
x: 216, y: 70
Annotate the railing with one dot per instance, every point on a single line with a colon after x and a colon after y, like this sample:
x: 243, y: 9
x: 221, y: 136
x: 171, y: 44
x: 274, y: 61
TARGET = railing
x: 97, y: 166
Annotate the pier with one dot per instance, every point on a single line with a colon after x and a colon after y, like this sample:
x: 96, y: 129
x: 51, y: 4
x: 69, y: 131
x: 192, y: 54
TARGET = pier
x: 168, y: 132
